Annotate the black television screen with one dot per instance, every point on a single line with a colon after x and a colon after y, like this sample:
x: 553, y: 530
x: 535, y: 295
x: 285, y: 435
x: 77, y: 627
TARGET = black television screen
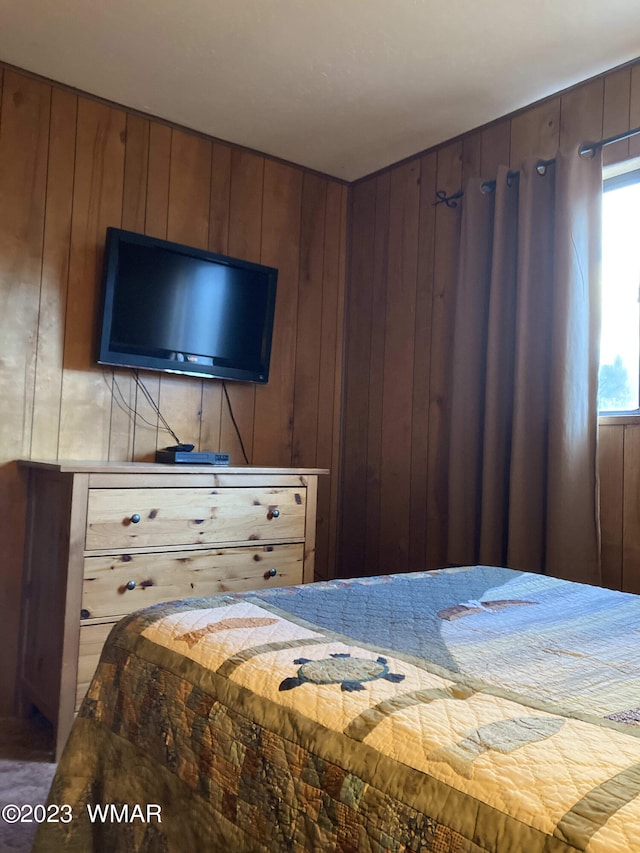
x: 184, y: 310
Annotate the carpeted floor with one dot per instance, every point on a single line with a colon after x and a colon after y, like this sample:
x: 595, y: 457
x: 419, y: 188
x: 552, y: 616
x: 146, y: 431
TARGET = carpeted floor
x: 26, y: 770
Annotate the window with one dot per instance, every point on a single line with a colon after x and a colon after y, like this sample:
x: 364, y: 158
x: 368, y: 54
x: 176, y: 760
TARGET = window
x: 619, y: 380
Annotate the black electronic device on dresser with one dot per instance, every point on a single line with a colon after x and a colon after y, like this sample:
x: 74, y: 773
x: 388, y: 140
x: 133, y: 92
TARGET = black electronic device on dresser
x: 186, y: 455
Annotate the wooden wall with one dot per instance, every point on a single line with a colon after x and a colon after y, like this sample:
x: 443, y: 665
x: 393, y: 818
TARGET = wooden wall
x: 402, y: 279
x: 69, y: 167
x: 620, y: 502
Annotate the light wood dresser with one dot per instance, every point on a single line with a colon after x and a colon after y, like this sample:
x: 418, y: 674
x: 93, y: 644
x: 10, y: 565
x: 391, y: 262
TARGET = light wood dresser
x: 106, y: 539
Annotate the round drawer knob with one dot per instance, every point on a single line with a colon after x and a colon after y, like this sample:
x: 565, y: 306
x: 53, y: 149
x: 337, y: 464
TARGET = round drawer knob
x: 272, y: 573
x: 135, y: 518
x: 131, y: 584
x: 275, y: 513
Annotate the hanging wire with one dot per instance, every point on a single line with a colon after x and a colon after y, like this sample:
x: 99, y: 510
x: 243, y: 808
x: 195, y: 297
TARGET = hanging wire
x: 121, y: 402
x: 233, y: 420
x: 154, y: 405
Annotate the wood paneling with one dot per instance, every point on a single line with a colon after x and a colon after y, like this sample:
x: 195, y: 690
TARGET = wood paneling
x: 617, y: 105
x: 24, y: 130
x: 611, y: 461
x: 447, y: 234
x: 330, y: 378
x: 535, y: 132
x: 353, y: 484
x: 634, y: 110
x: 69, y: 167
x: 397, y: 367
x: 404, y: 432
x: 309, y: 331
x: 281, y: 212
x: 24, y: 120
x: 471, y: 155
x: 219, y: 198
x: 581, y: 115
x: 85, y: 412
x: 55, y: 272
x: 496, y: 142
x: 630, y: 509
x: 136, y: 168
x: 376, y: 369
x: 422, y: 362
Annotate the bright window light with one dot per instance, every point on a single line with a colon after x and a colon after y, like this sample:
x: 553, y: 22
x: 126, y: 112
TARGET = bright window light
x: 619, y: 382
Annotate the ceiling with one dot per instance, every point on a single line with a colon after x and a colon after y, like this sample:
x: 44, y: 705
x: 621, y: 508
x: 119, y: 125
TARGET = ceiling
x: 342, y: 86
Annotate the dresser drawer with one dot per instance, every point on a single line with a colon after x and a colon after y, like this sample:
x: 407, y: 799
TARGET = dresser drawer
x: 116, y: 586
x: 141, y: 518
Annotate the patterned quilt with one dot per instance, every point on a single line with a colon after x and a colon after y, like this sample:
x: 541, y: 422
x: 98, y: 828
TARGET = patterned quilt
x: 453, y: 711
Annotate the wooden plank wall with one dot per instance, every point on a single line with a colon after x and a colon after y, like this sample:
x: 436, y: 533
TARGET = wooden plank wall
x: 69, y: 167
x: 620, y: 503
x: 402, y: 278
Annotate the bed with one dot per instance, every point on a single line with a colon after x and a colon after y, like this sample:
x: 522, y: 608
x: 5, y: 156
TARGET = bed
x: 454, y: 711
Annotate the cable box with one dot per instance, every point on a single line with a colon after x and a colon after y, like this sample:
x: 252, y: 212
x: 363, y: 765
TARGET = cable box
x: 192, y: 457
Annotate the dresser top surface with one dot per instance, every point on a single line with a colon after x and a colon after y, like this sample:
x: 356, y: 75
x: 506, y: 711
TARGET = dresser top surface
x: 91, y: 467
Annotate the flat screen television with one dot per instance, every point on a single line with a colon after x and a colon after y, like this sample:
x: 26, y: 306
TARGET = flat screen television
x: 179, y: 309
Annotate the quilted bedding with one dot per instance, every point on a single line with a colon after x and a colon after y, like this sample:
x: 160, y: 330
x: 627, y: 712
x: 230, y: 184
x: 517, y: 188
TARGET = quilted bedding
x: 454, y: 711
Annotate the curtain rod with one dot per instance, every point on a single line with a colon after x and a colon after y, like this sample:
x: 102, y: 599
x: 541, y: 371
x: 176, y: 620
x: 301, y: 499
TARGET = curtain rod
x: 592, y: 147
x: 587, y: 148
x: 541, y: 168
x: 487, y: 186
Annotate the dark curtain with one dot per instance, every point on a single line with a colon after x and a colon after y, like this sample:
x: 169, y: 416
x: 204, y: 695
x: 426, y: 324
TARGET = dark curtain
x: 522, y: 467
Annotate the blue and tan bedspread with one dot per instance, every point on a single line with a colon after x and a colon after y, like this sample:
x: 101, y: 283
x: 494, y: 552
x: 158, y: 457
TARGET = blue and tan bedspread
x: 453, y: 711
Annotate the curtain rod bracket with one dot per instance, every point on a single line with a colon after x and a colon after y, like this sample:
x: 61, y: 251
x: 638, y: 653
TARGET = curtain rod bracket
x: 450, y: 201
